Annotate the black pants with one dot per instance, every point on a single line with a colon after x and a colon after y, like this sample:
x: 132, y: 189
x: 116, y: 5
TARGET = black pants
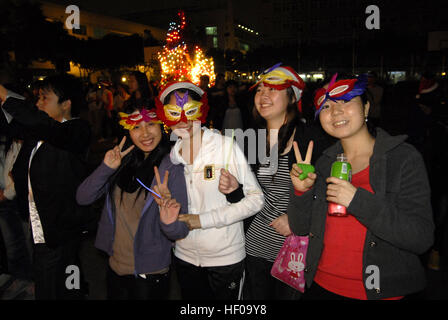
x: 209, y: 283
x: 12, y: 229
x: 50, y: 266
x: 260, y: 285
x: 129, y: 287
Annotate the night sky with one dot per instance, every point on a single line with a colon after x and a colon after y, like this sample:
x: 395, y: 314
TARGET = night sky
x: 123, y: 8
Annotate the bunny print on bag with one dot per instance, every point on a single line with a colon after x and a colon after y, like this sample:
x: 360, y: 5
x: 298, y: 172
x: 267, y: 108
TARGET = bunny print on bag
x: 290, y: 263
x: 294, y: 267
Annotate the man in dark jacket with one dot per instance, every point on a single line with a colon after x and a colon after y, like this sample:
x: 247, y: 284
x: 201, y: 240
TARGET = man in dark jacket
x: 47, y: 172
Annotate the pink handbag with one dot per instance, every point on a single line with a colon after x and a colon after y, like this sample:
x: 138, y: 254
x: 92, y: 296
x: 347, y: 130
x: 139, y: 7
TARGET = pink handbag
x: 290, y: 262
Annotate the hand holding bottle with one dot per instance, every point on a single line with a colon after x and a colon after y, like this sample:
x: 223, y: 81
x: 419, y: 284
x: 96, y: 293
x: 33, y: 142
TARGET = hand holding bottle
x: 340, y: 191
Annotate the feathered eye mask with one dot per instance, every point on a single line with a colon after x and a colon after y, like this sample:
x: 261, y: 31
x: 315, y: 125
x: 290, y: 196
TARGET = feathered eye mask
x: 344, y: 90
x: 280, y: 78
x: 184, y: 109
x: 129, y: 121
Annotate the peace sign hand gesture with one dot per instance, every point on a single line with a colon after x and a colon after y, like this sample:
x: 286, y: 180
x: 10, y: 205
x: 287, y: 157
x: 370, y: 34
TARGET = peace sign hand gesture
x: 303, y: 176
x: 113, y: 157
x: 161, y: 188
x: 168, y: 208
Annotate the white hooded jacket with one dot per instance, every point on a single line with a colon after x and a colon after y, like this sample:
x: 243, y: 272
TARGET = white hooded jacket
x: 220, y: 241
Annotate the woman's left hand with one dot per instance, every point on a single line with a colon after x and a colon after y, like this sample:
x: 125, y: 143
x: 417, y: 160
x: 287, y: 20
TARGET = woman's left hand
x: 192, y: 220
x: 281, y: 225
x: 340, y: 191
x: 169, y: 210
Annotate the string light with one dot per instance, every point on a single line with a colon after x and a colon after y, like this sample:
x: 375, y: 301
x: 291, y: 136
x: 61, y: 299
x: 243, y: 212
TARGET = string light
x: 176, y: 62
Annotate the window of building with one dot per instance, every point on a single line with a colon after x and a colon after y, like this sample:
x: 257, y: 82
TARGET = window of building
x: 215, y: 42
x: 211, y: 31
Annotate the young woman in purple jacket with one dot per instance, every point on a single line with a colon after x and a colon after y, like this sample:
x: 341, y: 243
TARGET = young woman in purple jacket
x: 137, y: 228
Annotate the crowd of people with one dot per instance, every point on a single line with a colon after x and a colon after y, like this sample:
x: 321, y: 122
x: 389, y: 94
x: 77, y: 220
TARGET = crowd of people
x: 194, y: 209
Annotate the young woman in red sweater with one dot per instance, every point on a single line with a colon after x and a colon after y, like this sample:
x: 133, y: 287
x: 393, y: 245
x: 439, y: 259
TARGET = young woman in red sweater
x: 372, y: 253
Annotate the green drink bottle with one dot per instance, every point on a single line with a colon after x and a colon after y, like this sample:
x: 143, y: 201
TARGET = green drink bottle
x: 340, y: 169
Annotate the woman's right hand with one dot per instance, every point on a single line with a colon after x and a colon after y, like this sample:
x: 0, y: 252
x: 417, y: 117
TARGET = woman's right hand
x: 308, y: 182
x: 113, y: 157
x: 161, y: 188
x: 227, y: 182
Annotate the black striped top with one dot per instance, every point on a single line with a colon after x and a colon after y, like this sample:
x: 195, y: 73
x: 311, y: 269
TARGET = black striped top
x: 262, y: 240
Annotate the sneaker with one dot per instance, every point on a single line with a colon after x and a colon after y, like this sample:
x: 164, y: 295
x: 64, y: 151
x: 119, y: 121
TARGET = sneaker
x: 5, y: 281
x: 28, y: 293
x: 16, y: 289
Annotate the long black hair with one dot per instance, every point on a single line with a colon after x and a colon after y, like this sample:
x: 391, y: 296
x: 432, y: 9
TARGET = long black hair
x: 134, y: 165
x: 285, y: 132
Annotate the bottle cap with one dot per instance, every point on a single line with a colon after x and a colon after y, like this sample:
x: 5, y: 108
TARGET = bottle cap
x: 341, y: 157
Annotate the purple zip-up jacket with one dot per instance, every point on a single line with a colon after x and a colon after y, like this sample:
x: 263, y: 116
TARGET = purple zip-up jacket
x: 153, y: 239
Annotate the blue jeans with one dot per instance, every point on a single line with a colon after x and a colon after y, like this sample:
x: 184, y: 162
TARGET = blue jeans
x: 13, y: 230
